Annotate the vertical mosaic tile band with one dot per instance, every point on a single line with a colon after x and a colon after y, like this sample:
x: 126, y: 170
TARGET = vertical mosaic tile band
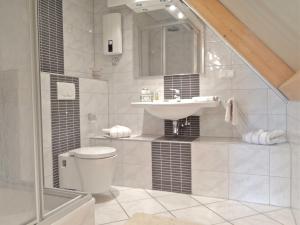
x: 171, y: 167
x: 50, y: 17
x: 65, y: 122
x: 189, y: 86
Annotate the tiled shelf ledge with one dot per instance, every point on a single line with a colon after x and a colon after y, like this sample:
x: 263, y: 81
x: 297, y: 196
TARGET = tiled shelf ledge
x: 150, y: 138
x: 147, y: 138
x: 221, y: 167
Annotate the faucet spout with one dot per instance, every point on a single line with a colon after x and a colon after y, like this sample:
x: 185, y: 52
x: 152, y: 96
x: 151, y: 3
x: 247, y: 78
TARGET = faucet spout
x: 177, y: 94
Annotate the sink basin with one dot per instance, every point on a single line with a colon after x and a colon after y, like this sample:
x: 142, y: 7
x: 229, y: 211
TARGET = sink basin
x: 174, y: 110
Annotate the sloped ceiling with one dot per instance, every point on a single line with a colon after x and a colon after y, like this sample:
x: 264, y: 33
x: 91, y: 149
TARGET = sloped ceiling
x: 266, y: 33
x: 275, y: 22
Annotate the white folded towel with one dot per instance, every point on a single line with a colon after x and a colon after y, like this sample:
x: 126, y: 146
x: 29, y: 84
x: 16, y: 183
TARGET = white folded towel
x: 118, y: 132
x: 231, y: 115
x: 262, y: 137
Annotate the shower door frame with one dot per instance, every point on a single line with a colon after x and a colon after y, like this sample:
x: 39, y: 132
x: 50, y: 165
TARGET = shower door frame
x: 79, y: 197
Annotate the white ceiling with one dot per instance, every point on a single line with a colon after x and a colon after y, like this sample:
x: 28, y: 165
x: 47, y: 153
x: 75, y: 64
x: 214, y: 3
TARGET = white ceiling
x: 276, y: 22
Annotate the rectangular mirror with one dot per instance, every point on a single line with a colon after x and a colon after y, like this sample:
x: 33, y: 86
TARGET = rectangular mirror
x: 151, y: 51
x: 180, y: 47
x: 167, y: 45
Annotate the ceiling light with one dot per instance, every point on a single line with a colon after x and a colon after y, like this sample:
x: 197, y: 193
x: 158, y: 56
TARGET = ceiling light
x: 180, y: 15
x: 172, y: 8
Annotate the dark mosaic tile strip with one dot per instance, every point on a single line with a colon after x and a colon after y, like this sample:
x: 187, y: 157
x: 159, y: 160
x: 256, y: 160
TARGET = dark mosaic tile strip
x: 187, y: 84
x: 171, y: 167
x: 50, y: 17
x: 65, y: 122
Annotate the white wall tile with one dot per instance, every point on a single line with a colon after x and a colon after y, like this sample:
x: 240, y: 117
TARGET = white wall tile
x: 249, y: 188
x: 212, y: 184
x: 137, y: 176
x: 252, y: 101
x: 249, y: 159
x: 280, y: 191
x: 137, y: 153
x: 210, y: 157
x: 277, y: 122
x: 245, y: 78
x: 214, y: 126
x: 217, y: 54
x: 293, y: 125
x: 275, y: 103
x: 280, y: 160
x: 211, y: 80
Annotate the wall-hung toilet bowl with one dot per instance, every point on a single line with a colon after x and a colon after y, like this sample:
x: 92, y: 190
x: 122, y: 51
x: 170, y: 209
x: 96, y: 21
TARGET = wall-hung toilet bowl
x: 89, y: 169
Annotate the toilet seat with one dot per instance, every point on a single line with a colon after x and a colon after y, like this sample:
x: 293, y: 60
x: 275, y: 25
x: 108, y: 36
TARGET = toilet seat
x: 94, y: 152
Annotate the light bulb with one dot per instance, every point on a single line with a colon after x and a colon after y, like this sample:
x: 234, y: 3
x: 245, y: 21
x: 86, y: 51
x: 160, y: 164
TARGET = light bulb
x: 172, y: 8
x: 180, y: 15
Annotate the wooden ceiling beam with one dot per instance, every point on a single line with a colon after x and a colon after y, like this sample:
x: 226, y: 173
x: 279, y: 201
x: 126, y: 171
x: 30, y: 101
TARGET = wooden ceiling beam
x: 244, y: 41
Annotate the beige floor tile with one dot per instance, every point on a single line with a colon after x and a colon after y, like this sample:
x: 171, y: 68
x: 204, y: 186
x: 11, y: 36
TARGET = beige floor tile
x: 255, y: 220
x: 261, y: 207
x: 148, y: 206
x: 109, y: 213
x: 283, y: 216
x: 165, y: 214
x: 207, y: 200
x: 231, y: 210
x: 199, y: 214
x: 177, y: 201
x: 118, y: 223
x: 156, y: 194
x: 105, y: 199
x: 130, y: 195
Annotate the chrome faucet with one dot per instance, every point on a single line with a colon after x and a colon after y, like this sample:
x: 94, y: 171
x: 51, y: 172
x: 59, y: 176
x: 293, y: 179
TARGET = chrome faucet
x: 177, y: 94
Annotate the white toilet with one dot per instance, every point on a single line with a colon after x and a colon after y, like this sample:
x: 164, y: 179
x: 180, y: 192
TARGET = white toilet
x: 89, y: 169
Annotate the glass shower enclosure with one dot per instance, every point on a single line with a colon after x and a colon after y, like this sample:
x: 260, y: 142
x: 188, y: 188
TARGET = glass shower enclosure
x: 23, y: 200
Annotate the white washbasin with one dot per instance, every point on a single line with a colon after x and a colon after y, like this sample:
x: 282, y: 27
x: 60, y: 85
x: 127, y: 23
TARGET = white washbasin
x: 173, y: 110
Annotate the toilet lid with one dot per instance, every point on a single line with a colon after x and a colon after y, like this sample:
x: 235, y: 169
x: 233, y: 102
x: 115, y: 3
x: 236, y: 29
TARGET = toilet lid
x: 94, y: 152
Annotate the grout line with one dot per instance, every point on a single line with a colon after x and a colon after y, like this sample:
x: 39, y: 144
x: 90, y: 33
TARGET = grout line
x: 200, y: 205
x: 117, y: 221
x: 271, y: 218
x: 120, y: 205
x: 163, y: 206
x: 213, y: 211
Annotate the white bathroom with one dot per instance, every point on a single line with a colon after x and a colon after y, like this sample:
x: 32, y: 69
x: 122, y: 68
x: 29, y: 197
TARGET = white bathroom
x: 131, y: 112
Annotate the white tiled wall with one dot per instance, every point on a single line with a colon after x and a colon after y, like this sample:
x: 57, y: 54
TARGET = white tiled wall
x: 294, y: 139
x: 93, y: 100
x: 78, y: 37
x: 124, y: 87
x: 243, y: 172
x: 227, y: 170
x: 262, y: 107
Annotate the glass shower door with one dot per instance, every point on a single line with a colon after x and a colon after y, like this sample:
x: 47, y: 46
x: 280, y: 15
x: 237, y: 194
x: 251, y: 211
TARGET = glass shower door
x: 17, y: 120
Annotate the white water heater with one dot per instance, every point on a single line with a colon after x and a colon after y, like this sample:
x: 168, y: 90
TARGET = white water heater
x: 112, y: 34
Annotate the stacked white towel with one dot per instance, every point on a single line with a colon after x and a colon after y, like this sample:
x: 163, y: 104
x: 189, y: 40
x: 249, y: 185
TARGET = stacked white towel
x: 262, y: 137
x: 118, y: 132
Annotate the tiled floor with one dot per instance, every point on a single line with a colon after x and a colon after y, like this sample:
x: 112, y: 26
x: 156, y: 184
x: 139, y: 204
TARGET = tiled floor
x: 115, y: 207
